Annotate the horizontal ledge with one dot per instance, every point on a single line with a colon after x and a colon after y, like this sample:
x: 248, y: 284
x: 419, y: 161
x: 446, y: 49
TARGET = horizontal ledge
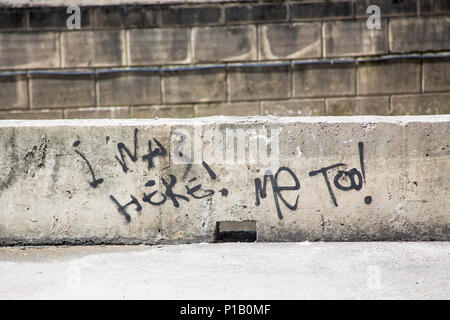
x: 265, y: 120
x: 71, y: 72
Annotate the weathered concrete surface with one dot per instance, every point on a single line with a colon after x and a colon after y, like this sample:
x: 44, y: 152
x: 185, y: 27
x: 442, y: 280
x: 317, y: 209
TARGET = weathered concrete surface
x: 380, y: 270
x: 399, y: 165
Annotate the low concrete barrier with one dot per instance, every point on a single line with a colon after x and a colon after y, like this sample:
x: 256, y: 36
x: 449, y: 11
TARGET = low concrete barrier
x: 174, y: 180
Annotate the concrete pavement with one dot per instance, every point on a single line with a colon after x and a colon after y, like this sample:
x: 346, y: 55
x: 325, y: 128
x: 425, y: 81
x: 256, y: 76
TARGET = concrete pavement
x: 304, y: 270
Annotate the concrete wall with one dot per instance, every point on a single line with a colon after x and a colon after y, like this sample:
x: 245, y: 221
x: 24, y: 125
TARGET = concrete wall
x: 229, y: 34
x: 125, y: 181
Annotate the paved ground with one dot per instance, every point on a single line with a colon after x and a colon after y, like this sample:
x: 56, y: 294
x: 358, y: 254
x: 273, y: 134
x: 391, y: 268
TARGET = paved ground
x: 378, y: 270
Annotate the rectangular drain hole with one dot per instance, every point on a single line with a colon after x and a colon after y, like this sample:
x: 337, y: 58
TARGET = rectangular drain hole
x: 236, y: 231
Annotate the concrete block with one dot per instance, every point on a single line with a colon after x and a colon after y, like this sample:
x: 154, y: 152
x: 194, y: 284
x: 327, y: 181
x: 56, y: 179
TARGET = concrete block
x: 119, y: 17
x: 47, y: 17
x: 13, y: 92
x: 130, y: 88
x: 294, y: 108
x: 259, y: 83
x: 93, y: 48
x: 14, y: 19
x: 159, y: 46
x: 224, y: 43
x: 419, y: 34
x: 290, y: 41
x: 228, y: 109
x: 152, y: 16
x: 51, y: 91
x: 97, y: 113
x: 353, y: 38
x: 421, y: 104
x: 358, y: 106
x: 321, y: 10
x: 324, y: 80
x: 194, y: 86
x: 32, y: 115
x: 255, y: 13
x: 387, y: 7
x: 388, y: 77
x: 181, y: 111
x: 434, y: 6
x: 191, y: 15
x: 29, y: 50
x: 122, y: 181
x: 436, y: 75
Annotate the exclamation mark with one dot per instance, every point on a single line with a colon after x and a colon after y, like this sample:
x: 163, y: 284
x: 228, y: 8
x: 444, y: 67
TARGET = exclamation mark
x: 367, y: 199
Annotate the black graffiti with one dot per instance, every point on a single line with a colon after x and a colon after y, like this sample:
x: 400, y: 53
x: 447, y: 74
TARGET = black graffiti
x: 169, y: 191
x: 157, y: 198
x: 355, y: 177
x: 323, y: 171
x: 261, y: 189
x: 193, y: 190
x: 124, y: 151
x: 95, y: 182
x: 209, y: 170
x: 361, y: 159
x: 160, y: 151
x: 123, y: 148
x: 148, y: 197
x: 351, y: 174
x: 344, y: 180
x: 122, y: 208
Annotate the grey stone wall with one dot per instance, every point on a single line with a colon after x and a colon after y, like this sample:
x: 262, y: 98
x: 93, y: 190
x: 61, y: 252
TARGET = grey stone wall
x: 233, y: 37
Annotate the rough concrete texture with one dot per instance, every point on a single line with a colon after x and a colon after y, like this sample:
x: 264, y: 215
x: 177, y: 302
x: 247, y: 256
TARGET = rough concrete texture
x: 381, y: 270
x: 87, y: 181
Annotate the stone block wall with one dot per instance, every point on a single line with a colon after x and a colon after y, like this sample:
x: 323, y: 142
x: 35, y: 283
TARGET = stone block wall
x: 284, y: 58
